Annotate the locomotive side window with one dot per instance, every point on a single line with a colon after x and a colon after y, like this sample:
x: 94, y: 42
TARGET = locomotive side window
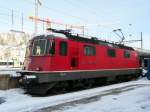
x: 63, y: 48
x: 111, y: 52
x: 126, y: 54
x: 89, y: 50
x: 39, y: 47
x: 51, y: 47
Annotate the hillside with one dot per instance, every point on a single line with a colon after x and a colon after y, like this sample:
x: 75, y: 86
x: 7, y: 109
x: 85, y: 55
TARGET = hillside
x: 12, y: 46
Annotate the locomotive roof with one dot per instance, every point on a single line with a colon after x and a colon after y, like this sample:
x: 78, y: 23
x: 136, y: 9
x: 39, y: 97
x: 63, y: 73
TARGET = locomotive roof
x: 95, y: 40
x: 49, y: 35
x: 66, y: 34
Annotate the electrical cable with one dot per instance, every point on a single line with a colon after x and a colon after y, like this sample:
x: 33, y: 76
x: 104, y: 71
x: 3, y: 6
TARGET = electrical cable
x: 61, y: 12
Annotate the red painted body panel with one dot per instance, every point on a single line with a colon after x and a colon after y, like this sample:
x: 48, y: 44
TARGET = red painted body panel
x: 76, y: 51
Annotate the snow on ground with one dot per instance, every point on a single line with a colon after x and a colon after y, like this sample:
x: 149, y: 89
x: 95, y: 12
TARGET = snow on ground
x: 136, y: 100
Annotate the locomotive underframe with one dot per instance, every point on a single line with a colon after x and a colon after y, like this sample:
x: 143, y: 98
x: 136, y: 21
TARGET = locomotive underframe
x: 44, y: 77
x: 34, y: 79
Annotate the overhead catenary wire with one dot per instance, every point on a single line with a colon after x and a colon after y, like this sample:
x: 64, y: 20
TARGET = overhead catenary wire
x: 58, y: 11
x: 50, y: 9
x: 91, y: 12
x: 11, y: 16
x: 16, y: 12
x: 88, y: 9
x: 4, y: 14
x: 61, y: 12
x: 4, y: 22
x: 13, y: 24
x: 54, y: 10
x: 14, y: 16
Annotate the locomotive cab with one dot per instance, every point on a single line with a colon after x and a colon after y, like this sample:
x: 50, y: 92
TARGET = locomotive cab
x: 39, y: 52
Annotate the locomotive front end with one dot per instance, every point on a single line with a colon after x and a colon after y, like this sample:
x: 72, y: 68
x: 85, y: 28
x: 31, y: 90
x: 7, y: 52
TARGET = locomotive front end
x: 38, y: 59
x: 39, y: 53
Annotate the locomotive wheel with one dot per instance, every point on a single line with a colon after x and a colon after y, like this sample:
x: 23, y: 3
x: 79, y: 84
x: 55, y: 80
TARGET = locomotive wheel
x: 77, y: 84
x: 60, y: 87
x: 40, y: 89
x: 88, y: 83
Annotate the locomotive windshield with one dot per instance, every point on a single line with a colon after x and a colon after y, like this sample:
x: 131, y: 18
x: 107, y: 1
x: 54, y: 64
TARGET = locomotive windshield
x: 43, y: 46
x: 39, y: 47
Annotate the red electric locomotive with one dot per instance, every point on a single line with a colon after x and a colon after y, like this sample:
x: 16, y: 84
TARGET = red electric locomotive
x: 56, y: 62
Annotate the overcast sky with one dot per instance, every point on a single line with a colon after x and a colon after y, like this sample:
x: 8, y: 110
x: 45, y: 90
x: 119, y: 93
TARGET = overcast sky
x: 100, y: 16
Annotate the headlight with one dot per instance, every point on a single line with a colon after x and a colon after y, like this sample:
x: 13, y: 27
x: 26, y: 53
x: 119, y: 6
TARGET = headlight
x: 29, y: 77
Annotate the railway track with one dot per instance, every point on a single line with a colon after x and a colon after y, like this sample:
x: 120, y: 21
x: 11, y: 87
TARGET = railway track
x: 88, y: 98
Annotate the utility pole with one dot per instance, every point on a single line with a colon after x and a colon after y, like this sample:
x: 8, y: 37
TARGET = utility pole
x: 83, y: 30
x: 141, y: 40
x: 12, y: 18
x: 13, y: 21
x: 36, y: 16
x: 37, y: 3
x: 22, y: 22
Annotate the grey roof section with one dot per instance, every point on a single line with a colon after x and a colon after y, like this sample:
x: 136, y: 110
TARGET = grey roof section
x: 143, y: 52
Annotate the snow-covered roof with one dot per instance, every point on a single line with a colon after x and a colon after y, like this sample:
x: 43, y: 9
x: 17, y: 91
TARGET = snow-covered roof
x: 50, y: 33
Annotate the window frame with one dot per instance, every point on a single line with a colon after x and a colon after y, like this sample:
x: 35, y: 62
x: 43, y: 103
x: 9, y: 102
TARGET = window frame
x: 109, y: 52
x: 126, y: 55
x: 90, y: 47
x: 60, y: 51
x: 44, y: 49
x: 49, y: 47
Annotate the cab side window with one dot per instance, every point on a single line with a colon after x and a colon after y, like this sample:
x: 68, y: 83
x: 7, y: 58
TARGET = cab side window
x: 51, y: 47
x: 126, y: 54
x: 111, y: 52
x: 63, y: 48
x: 89, y: 50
